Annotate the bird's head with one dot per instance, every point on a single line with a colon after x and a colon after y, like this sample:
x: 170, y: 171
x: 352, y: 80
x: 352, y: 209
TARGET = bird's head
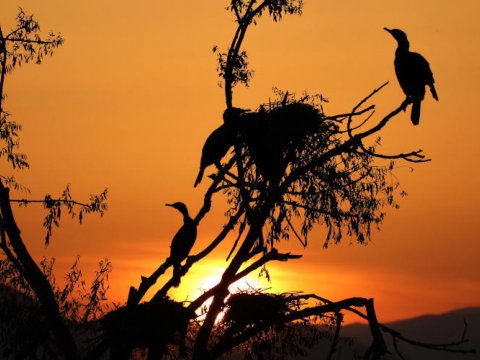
x: 398, y: 35
x: 180, y: 207
x: 231, y: 115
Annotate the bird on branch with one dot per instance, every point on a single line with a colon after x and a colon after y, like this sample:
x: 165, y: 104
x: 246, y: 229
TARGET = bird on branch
x: 413, y: 74
x: 219, y: 141
x: 183, y: 240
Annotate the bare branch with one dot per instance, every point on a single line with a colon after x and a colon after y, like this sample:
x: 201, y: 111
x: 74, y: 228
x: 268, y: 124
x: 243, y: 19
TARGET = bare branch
x: 397, y: 336
x: 413, y: 156
x: 136, y: 295
x: 43, y: 201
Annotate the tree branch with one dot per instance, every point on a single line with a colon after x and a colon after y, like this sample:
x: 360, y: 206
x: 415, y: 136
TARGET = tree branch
x: 31, y: 41
x: 398, y: 336
x: 63, y: 201
x: 136, y: 295
x: 3, y: 70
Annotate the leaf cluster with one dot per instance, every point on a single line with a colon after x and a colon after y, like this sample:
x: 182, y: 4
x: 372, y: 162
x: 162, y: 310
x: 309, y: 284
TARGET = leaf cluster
x: 239, y: 62
x: 74, y: 208
x: 9, y: 141
x: 23, y: 44
x: 276, y: 8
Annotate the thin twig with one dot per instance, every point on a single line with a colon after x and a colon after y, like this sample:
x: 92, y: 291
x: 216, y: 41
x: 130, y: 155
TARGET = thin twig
x: 65, y: 201
x: 40, y: 42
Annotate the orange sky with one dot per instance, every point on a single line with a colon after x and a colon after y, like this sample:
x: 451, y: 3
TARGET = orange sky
x: 129, y: 99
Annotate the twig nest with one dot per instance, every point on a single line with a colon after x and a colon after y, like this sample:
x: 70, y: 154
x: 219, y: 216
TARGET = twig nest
x: 253, y: 308
x: 273, y: 137
x: 146, y: 325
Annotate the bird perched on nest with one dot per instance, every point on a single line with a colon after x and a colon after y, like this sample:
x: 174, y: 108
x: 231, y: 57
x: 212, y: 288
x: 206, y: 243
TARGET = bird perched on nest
x: 273, y: 137
x: 219, y: 141
x: 413, y: 73
x: 183, y: 240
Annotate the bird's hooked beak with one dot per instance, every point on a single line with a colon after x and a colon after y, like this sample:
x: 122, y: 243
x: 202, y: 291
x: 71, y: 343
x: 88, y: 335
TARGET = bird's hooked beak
x: 171, y: 205
x: 387, y: 29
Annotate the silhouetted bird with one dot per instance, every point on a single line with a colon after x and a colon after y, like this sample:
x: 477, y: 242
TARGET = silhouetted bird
x: 413, y: 73
x: 219, y: 141
x: 232, y: 116
x: 183, y: 240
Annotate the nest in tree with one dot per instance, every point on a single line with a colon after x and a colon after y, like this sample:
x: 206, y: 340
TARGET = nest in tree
x: 275, y: 137
x: 147, y: 326
x: 244, y: 308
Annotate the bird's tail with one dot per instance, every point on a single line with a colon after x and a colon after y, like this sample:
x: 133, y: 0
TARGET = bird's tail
x: 434, y: 92
x: 415, y: 115
x: 199, y: 176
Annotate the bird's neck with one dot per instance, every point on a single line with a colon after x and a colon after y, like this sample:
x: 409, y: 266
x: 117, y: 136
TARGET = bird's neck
x: 186, y: 218
x: 403, y: 47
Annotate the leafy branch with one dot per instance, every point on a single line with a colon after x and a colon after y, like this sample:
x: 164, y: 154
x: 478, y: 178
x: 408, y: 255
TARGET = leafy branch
x: 97, y: 204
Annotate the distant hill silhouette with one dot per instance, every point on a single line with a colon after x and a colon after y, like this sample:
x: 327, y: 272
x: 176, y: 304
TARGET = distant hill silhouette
x: 441, y: 328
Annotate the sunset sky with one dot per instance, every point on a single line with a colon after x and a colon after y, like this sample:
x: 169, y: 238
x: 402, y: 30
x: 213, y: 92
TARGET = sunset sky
x: 128, y: 101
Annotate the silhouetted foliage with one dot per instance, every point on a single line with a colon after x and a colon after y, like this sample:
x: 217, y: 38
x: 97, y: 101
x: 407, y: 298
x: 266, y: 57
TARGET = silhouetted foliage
x: 79, y: 305
x: 24, y: 330
x: 22, y: 44
x: 284, y: 148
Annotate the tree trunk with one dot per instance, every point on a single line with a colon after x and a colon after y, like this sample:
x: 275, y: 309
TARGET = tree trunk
x: 37, y: 280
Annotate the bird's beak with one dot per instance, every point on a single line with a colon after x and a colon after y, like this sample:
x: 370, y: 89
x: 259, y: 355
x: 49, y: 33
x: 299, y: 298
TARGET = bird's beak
x: 387, y: 29
x: 171, y: 205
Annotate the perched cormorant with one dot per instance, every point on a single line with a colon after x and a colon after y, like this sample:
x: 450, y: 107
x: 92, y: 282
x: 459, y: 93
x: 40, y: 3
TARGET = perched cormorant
x: 413, y: 73
x: 232, y: 115
x: 183, y: 240
x: 219, y: 141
